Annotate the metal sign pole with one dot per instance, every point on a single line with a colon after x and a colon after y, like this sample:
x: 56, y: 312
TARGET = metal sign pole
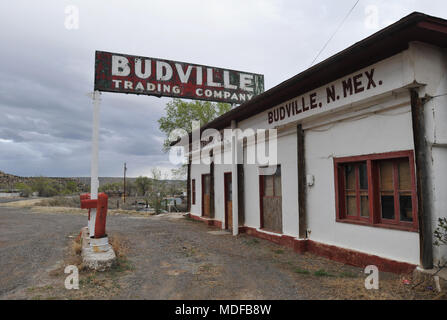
x: 94, y: 181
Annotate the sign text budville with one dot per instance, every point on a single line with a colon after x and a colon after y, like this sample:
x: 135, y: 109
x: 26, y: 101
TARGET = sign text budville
x: 141, y: 75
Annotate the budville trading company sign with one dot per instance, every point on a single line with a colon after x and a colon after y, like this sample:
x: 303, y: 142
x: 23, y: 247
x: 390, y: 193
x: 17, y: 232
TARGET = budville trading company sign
x: 140, y: 75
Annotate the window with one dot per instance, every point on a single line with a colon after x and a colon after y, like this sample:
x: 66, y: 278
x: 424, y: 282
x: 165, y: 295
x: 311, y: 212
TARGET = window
x: 377, y: 190
x: 193, y: 187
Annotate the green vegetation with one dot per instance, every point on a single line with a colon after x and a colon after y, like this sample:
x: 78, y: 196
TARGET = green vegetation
x: 111, y: 187
x: 47, y: 187
x: 322, y: 273
x: 143, y: 185
x: 25, y: 190
x: 60, y: 201
x: 302, y: 271
x: 180, y: 114
x: 347, y: 274
x: 157, y: 191
x: 252, y: 242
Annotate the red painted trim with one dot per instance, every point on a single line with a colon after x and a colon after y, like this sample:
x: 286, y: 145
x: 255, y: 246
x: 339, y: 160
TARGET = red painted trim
x: 209, y: 222
x: 371, y: 198
x: 375, y: 218
x: 284, y: 240
x: 352, y: 257
x: 346, y: 256
x: 375, y: 156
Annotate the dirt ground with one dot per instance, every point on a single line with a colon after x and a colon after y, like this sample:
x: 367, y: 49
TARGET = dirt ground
x: 172, y: 257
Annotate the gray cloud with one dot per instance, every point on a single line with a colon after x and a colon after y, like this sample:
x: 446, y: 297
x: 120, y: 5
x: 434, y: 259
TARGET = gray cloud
x: 46, y: 70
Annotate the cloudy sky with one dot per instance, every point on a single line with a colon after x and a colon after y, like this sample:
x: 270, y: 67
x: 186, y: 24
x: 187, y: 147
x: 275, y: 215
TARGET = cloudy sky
x: 46, y: 70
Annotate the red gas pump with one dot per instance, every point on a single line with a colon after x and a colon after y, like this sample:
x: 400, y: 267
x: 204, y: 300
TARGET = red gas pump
x: 101, y: 211
x: 85, y: 196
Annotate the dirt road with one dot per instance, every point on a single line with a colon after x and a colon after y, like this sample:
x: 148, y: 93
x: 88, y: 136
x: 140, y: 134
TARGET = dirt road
x: 171, y: 257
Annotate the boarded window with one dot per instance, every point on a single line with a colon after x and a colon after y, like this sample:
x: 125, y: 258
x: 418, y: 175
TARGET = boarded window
x: 271, y: 201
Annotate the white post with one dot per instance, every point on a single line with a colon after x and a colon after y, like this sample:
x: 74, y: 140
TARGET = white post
x: 234, y: 200
x: 94, y: 182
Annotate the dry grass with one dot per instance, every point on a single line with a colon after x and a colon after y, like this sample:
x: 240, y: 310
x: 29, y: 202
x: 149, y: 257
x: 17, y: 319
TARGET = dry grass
x: 116, y: 212
x: 70, y: 205
x: 71, y: 202
x: 389, y: 289
x: 120, y: 245
x: 72, y: 257
x: 92, y: 284
x: 57, y: 210
x: 22, y: 203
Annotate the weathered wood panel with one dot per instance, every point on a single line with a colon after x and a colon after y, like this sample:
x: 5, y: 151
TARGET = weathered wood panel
x: 272, y: 213
x: 229, y: 207
x: 206, y: 206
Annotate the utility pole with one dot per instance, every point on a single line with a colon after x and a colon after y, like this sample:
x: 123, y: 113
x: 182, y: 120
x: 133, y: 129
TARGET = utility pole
x: 125, y: 169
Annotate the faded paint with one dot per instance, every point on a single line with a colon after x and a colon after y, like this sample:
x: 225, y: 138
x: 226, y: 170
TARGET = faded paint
x: 150, y: 76
x: 373, y: 120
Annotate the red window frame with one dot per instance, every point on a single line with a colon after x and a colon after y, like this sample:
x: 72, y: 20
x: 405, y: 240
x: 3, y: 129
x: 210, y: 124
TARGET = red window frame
x: 193, y: 187
x: 375, y: 210
x: 358, y: 191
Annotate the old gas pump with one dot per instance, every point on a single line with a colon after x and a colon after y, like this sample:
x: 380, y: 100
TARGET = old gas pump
x: 96, y: 224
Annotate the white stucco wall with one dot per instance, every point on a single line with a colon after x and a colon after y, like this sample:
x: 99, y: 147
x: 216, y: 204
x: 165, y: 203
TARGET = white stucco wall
x: 196, y: 173
x: 287, y: 158
x: 432, y: 68
x: 219, y: 192
x: 374, y: 121
x: 390, y: 130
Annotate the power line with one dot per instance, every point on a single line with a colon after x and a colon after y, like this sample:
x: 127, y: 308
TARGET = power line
x: 336, y: 30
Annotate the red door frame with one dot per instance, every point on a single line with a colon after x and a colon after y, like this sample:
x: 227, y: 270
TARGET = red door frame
x: 203, y: 191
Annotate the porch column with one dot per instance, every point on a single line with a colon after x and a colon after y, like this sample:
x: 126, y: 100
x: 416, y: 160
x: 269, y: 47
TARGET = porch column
x: 234, y: 177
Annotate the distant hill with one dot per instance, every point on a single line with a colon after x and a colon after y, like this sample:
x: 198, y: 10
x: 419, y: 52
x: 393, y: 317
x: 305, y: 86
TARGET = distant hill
x: 8, y: 181
x: 106, y: 180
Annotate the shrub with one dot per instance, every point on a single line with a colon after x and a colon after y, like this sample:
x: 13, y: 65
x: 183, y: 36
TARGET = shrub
x: 45, y: 187
x: 25, y: 190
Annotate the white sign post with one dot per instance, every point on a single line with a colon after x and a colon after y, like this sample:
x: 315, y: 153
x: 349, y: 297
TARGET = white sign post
x: 94, y: 181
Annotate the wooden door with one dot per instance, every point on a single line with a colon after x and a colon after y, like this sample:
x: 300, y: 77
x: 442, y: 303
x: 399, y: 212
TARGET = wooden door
x: 206, y: 195
x: 228, y: 201
x: 271, y: 201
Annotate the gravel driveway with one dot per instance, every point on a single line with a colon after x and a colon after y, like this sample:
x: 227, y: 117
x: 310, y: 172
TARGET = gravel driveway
x: 172, y: 258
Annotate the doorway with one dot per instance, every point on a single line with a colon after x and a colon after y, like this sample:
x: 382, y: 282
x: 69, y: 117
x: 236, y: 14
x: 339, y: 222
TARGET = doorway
x: 228, y: 198
x: 271, y: 201
x: 206, y: 195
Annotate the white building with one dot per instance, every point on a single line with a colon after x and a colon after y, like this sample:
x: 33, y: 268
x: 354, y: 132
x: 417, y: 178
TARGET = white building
x: 361, y: 149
